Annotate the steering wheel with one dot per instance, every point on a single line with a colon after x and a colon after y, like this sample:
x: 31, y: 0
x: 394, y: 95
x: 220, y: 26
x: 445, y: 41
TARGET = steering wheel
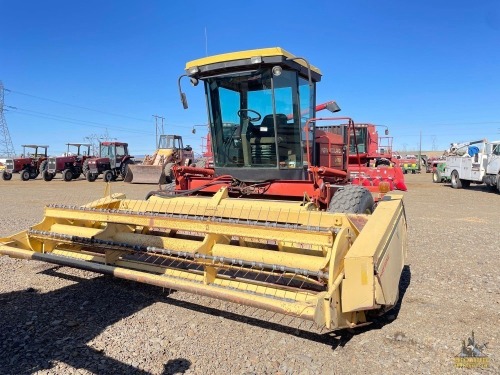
x: 243, y: 114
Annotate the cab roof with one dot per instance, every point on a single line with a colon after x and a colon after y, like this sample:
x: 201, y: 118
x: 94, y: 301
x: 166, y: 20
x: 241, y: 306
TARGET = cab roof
x: 223, y: 62
x: 35, y: 146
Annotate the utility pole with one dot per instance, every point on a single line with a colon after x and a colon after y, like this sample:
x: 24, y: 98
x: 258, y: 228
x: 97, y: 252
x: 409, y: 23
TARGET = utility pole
x: 6, y: 145
x: 420, y: 152
x: 157, y: 126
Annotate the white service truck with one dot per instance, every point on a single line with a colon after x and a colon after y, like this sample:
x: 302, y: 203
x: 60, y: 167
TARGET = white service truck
x: 477, y: 162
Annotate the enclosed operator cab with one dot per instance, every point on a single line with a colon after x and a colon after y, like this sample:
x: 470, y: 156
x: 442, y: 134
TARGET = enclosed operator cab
x: 258, y: 104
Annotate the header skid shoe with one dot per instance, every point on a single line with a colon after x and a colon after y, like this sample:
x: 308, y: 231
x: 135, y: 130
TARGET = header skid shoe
x: 334, y: 269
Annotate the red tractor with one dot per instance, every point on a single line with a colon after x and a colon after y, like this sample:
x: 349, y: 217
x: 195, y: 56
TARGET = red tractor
x: 370, y: 157
x: 28, y: 165
x: 113, y: 161
x: 70, y: 165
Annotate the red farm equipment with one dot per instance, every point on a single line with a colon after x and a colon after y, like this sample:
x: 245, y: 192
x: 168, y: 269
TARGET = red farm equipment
x: 27, y: 165
x: 370, y: 158
x: 70, y: 165
x: 271, y: 150
x: 113, y: 161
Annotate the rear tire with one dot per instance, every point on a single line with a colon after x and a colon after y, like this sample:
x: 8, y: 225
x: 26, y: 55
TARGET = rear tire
x: 25, y: 175
x: 124, y: 167
x: 76, y: 176
x: 43, y: 167
x: 67, y: 175
x: 456, y: 183
x: 352, y: 199
x: 6, y: 176
x: 169, y: 176
x: 108, y: 176
x: 85, y: 168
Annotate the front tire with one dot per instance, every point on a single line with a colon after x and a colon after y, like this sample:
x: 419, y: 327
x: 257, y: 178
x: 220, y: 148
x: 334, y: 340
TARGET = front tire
x: 352, y: 199
x: 25, y: 175
x: 91, y: 177
x: 456, y: 183
x: 67, y: 175
x: 6, y: 176
x: 108, y: 176
x: 47, y: 176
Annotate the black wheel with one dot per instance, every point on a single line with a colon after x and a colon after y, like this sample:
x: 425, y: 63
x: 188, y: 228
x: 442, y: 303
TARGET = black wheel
x: 456, y: 183
x: 6, y: 176
x: 25, y: 175
x: 44, y: 165
x: 85, y: 167
x: 436, y: 177
x: 33, y: 174
x: 47, y: 176
x: 352, y: 199
x: 108, y: 176
x: 91, y: 177
x: 498, y: 184
x: 124, y: 167
x: 465, y: 183
x: 169, y: 174
x: 67, y: 175
x: 76, y: 176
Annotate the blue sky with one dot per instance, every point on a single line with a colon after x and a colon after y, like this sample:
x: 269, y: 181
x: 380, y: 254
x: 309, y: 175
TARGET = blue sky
x: 429, y: 66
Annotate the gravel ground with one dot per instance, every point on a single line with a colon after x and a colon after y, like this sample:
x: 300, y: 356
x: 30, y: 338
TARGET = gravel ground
x: 64, y: 321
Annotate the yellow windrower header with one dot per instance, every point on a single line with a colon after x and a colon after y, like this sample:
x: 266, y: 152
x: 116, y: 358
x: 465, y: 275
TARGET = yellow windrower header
x: 241, y: 55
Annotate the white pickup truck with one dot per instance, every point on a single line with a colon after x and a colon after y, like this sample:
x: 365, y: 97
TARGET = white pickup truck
x: 480, y: 164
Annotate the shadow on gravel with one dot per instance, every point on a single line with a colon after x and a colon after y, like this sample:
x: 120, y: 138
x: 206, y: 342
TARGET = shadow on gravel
x: 37, y: 329
x: 333, y: 339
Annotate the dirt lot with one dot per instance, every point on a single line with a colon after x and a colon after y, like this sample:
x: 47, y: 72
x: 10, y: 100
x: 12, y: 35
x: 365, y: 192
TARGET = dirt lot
x: 61, y: 320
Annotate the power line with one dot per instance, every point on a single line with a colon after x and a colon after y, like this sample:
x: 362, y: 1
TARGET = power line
x: 70, y: 120
x: 75, y: 106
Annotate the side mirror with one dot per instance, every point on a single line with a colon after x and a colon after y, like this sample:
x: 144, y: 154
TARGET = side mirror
x: 184, y: 100
x: 193, y: 130
x: 333, y: 107
x: 386, y: 132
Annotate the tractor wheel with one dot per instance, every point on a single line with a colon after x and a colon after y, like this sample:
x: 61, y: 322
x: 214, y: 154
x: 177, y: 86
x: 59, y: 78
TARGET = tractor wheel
x: 456, y: 182
x: 44, y: 165
x: 124, y: 167
x: 47, y: 176
x: 85, y: 167
x: 25, y: 175
x: 6, y: 176
x: 169, y: 173
x: 352, y: 199
x: 33, y: 174
x: 91, y: 177
x: 108, y: 176
x: 76, y: 176
x: 67, y: 175
x: 436, y: 177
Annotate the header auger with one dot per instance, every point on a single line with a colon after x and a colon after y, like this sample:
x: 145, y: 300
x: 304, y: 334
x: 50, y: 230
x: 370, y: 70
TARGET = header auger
x: 268, y: 227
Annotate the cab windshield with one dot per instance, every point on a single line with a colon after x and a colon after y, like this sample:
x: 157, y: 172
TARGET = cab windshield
x: 255, y: 119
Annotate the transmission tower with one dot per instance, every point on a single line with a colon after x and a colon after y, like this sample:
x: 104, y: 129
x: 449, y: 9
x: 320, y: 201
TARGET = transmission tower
x: 6, y: 145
